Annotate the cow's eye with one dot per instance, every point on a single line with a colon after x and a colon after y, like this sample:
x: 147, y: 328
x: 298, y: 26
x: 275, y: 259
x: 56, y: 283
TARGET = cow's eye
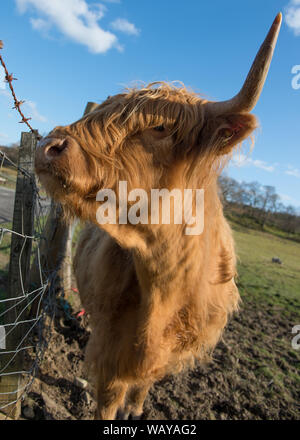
x: 159, y: 128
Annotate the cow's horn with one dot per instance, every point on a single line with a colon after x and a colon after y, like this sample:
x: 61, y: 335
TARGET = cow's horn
x: 248, y: 96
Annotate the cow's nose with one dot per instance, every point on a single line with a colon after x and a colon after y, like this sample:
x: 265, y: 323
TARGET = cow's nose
x: 53, y: 147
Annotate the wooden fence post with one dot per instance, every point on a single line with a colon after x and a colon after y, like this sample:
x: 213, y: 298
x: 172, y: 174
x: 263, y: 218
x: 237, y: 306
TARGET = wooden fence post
x: 23, y: 224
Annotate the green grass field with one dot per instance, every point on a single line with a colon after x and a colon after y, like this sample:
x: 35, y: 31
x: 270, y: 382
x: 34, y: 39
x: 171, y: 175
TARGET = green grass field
x: 270, y: 309
x: 10, y: 174
x: 258, y: 276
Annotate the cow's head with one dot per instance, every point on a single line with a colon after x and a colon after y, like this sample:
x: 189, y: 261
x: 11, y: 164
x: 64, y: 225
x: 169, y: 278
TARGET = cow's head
x: 159, y: 136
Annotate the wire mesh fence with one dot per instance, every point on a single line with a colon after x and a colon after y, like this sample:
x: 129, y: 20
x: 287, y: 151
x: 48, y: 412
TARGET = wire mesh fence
x: 35, y: 244
x: 27, y: 291
x: 33, y: 241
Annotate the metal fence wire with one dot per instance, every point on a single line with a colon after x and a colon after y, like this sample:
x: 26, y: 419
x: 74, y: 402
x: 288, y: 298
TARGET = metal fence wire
x: 27, y: 301
x: 25, y: 313
x: 39, y: 242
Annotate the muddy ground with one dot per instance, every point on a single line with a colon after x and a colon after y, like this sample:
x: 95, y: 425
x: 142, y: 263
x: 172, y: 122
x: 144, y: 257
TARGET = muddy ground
x: 254, y: 374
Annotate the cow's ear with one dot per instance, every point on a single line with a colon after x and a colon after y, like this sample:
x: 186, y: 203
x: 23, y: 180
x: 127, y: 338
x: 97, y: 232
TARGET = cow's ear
x: 223, y: 133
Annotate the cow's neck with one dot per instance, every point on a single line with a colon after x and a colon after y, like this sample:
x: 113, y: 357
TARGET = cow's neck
x: 168, y: 274
x: 169, y: 264
x: 174, y: 268
x: 168, y: 261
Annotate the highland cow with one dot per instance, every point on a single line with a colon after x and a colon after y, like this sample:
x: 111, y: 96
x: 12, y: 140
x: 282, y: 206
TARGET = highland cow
x: 157, y: 298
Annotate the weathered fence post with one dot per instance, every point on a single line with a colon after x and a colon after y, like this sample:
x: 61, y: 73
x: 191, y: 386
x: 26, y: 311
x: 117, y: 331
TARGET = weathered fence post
x: 21, y: 243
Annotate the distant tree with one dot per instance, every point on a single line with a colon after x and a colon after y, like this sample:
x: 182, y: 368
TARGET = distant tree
x: 290, y: 219
x: 254, y: 191
x: 268, y: 197
x: 11, y: 152
x: 260, y: 202
x: 229, y: 189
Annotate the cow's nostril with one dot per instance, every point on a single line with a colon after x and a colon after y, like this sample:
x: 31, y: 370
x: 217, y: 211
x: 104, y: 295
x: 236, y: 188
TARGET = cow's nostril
x: 56, y: 148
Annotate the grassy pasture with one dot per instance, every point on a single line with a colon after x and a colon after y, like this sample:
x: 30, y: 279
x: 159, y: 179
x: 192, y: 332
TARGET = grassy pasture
x: 266, y: 281
x: 10, y: 174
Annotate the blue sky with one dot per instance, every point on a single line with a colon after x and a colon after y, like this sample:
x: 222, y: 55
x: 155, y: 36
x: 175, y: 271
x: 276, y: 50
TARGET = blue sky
x: 65, y: 53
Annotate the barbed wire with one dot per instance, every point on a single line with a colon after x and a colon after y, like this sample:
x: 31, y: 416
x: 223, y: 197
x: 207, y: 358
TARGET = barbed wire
x: 32, y: 307
x: 9, y: 78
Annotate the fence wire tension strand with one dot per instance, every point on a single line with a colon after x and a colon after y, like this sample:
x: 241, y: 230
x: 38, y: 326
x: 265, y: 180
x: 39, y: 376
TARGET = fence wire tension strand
x: 26, y: 305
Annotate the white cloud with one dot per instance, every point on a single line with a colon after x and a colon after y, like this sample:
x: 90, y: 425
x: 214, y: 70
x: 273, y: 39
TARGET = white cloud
x: 292, y: 171
x: 286, y: 198
x: 76, y: 19
x: 123, y: 25
x: 263, y: 165
x: 34, y: 113
x: 29, y: 107
x: 241, y: 160
x: 292, y: 16
x: 39, y: 24
x: 5, y: 93
x: 289, y: 200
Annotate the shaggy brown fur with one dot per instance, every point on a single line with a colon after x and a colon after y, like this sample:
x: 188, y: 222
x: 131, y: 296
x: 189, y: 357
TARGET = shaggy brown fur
x: 157, y: 298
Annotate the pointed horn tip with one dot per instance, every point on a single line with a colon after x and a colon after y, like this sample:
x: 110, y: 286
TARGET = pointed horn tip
x: 278, y: 19
x: 248, y: 96
x: 274, y: 31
